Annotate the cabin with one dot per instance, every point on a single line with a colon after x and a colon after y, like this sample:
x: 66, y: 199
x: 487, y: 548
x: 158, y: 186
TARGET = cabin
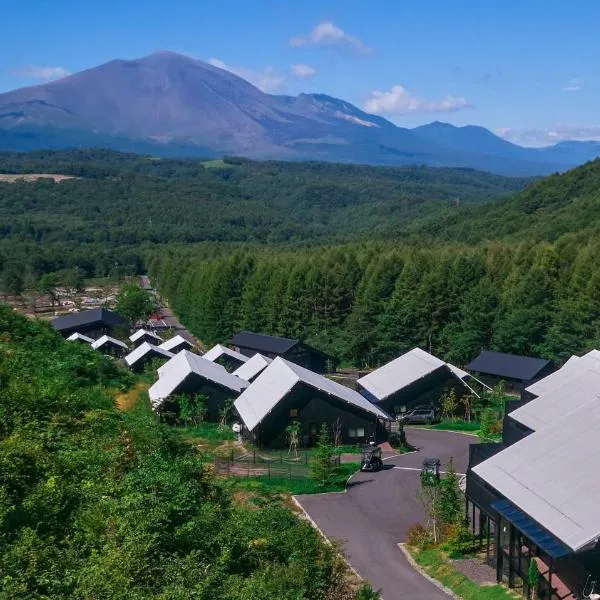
x: 253, y: 367
x: 529, y: 497
x: 296, y: 351
x: 110, y: 346
x: 415, y: 379
x: 285, y: 393
x: 176, y: 344
x: 143, y: 335
x: 226, y: 357
x: 93, y: 323
x: 79, y: 337
x: 517, y: 372
x: 138, y: 358
x: 188, y: 373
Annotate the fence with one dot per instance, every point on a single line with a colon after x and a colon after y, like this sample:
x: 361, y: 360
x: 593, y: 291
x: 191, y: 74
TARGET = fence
x: 259, y: 463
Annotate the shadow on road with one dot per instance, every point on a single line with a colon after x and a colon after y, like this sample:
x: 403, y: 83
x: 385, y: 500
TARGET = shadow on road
x: 352, y: 484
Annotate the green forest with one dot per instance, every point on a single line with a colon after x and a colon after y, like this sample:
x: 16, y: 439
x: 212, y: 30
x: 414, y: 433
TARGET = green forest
x: 362, y: 262
x: 122, y: 205
x: 98, y: 503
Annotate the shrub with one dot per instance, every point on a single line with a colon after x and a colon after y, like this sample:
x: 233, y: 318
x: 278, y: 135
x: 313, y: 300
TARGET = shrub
x: 418, y: 536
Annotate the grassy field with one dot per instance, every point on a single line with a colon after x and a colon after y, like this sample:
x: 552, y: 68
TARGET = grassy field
x: 436, y: 565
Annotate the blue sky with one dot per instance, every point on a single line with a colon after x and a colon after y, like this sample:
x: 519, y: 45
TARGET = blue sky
x: 527, y: 69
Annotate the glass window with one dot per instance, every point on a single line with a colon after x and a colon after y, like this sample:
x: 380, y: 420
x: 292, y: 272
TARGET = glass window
x: 360, y: 432
x: 293, y: 412
x: 351, y: 433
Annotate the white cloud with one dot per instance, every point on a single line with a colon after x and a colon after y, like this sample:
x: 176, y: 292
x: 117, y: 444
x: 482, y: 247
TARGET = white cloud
x: 327, y: 33
x: 531, y: 136
x: 574, y: 85
x: 399, y: 101
x: 39, y: 72
x: 267, y: 79
x: 303, y: 71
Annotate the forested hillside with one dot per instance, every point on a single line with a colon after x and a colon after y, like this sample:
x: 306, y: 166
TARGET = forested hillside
x: 95, y: 503
x: 555, y: 206
x: 369, y: 302
x: 123, y: 204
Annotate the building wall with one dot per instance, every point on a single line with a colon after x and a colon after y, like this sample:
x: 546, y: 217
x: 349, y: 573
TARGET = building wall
x: 427, y: 392
x: 299, y: 354
x: 311, y: 409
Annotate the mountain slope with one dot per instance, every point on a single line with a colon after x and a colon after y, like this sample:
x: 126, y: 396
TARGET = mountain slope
x: 168, y: 104
x: 568, y: 203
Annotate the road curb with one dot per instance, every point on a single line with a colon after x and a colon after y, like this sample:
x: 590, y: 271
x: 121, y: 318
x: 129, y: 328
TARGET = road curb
x: 445, y: 431
x: 417, y: 567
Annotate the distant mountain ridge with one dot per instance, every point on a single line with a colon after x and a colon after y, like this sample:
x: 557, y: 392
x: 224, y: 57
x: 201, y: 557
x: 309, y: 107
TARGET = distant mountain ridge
x: 173, y: 105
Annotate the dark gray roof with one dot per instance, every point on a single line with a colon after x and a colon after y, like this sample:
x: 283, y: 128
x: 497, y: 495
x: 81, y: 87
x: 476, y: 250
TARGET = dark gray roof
x: 511, y: 366
x: 100, y: 317
x: 264, y: 343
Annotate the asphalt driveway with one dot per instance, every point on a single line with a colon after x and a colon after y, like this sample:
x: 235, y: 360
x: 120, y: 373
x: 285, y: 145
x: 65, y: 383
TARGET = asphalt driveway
x: 376, y: 511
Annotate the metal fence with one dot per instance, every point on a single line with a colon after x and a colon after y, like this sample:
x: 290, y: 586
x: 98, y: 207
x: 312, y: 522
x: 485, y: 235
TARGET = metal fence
x: 259, y: 463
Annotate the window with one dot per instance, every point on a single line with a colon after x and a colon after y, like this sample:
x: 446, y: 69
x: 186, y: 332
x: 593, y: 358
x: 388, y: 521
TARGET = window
x: 293, y: 412
x: 360, y: 432
x: 351, y: 433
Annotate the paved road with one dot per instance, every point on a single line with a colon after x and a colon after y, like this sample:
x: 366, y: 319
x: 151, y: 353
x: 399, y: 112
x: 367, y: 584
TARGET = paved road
x: 168, y: 317
x: 377, y: 509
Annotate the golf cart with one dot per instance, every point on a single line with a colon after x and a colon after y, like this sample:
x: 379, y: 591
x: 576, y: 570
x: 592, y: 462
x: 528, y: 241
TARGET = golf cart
x: 371, y: 458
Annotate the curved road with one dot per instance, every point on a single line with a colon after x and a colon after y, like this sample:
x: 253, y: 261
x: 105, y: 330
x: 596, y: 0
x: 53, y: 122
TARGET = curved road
x: 377, y: 509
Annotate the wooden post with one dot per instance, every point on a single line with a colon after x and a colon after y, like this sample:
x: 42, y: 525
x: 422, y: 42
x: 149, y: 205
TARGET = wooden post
x: 473, y: 516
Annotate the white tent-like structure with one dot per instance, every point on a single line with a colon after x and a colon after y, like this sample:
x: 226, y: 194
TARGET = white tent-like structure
x: 110, y: 345
x: 79, y: 337
x: 572, y: 368
x: 143, y: 335
x: 220, y: 352
x: 413, y: 369
x: 253, y: 367
x: 145, y: 352
x: 189, y: 373
x: 550, y: 476
x: 176, y: 344
x: 576, y: 388
x: 267, y: 394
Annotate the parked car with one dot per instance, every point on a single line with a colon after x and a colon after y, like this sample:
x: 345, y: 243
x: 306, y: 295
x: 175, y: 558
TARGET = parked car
x: 425, y: 416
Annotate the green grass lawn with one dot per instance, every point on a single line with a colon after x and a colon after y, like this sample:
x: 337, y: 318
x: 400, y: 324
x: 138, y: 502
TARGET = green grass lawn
x: 206, y: 436
x: 436, y: 565
x: 295, y: 486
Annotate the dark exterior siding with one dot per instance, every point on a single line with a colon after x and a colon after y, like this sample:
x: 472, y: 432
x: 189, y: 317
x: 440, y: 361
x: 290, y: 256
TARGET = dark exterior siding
x: 425, y: 392
x: 300, y: 354
x: 312, y: 409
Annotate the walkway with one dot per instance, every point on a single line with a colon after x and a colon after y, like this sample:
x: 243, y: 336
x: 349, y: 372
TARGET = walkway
x: 376, y: 511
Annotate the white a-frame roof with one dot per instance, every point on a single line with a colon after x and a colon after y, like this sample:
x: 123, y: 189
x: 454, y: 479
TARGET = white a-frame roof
x: 219, y: 350
x: 551, y: 475
x: 575, y: 365
x: 278, y: 379
x: 79, y: 337
x: 404, y: 371
x: 175, y: 372
x: 144, y: 333
x: 143, y: 351
x: 175, y: 342
x: 252, y: 367
x: 576, y: 389
x: 107, y: 340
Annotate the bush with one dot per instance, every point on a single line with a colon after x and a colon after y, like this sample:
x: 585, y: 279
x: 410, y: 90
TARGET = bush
x: 418, y: 537
x: 459, y: 540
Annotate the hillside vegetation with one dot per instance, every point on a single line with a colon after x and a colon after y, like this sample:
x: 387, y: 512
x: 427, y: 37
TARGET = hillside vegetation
x: 95, y: 503
x: 124, y: 204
